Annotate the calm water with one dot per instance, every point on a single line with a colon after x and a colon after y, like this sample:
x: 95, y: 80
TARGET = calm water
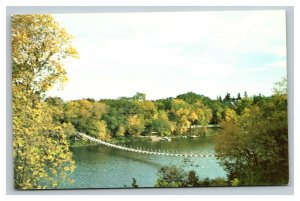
x: 103, y: 167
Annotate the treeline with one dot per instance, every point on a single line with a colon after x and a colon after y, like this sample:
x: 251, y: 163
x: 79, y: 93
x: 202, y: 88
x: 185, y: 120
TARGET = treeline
x: 135, y: 116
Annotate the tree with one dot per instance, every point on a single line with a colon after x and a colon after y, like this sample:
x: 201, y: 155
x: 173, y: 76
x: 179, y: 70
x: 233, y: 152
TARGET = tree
x: 253, y: 147
x: 243, y: 104
x: 219, y: 98
x: 164, y: 104
x: 162, y: 125
x: 172, y: 176
x: 149, y: 110
x: 40, y: 148
x: 139, y: 97
x: 135, y: 125
x: 192, y: 179
x: 185, y: 115
x: 227, y: 97
x: 57, y: 106
x: 180, y: 113
x: 115, y: 122
x: 280, y: 87
x: 217, y: 112
x: 201, y: 114
x: 149, y: 113
x: 229, y: 114
x: 39, y: 47
x: 134, y: 184
x: 86, y: 117
x: 121, y: 131
x: 191, y: 97
x: 102, y: 131
x: 69, y: 131
x: 258, y: 98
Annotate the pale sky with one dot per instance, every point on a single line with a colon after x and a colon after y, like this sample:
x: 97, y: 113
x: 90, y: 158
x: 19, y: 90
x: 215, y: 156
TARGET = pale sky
x: 165, y: 54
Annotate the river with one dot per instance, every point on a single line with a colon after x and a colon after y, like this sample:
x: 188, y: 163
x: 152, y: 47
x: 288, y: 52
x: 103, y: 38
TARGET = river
x: 99, y: 166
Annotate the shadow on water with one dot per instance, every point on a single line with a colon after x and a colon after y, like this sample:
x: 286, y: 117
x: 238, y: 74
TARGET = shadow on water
x: 131, y: 156
x: 101, y: 153
x: 89, y: 153
x: 104, y: 167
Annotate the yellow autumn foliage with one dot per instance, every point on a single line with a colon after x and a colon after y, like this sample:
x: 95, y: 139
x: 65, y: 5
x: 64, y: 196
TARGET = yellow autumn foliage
x: 40, y: 148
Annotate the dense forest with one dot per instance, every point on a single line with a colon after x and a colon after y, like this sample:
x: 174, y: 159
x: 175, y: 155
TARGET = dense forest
x: 135, y: 116
x: 252, y: 145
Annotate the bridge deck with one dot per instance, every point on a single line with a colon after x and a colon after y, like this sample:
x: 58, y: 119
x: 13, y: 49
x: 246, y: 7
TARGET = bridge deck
x: 156, y: 152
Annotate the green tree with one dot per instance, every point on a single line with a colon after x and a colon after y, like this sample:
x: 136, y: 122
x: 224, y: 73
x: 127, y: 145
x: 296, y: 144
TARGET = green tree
x: 242, y: 104
x: 164, y: 104
x: 192, y: 179
x: 217, y: 112
x: 172, y: 176
x: 134, y: 184
x: 139, y: 97
x: 227, y: 97
x: 192, y: 97
x: 253, y: 147
x: 115, y: 122
x: 162, y: 125
x: 40, y: 148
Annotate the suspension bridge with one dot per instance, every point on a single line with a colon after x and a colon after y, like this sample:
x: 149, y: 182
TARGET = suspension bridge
x: 140, y: 150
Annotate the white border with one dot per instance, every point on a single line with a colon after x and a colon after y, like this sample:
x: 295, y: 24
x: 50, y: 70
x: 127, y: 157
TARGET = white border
x: 3, y: 86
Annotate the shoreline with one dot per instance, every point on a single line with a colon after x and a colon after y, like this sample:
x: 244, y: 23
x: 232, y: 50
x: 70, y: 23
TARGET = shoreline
x: 150, y: 138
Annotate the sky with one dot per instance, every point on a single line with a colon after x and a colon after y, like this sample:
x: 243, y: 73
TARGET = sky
x: 164, y: 54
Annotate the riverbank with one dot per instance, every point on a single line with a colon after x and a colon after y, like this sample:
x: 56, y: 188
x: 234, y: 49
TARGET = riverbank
x: 193, y: 133
x: 117, y: 140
